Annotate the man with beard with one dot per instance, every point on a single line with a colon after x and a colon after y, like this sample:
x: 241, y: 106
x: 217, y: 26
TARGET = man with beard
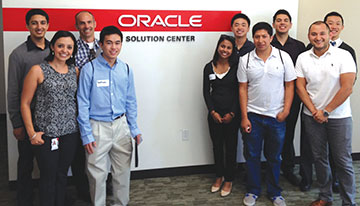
x: 325, y: 80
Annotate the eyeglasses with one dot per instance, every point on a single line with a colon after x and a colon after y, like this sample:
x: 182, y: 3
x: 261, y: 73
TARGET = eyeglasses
x: 92, y: 54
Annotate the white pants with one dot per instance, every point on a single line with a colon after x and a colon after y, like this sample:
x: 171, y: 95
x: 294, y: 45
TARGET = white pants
x: 113, y: 142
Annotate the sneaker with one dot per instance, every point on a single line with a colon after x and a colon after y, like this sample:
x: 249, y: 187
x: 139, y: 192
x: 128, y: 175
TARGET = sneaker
x: 278, y: 201
x: 250, y: 199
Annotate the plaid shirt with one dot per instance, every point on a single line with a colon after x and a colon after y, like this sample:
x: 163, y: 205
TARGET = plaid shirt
x: 83, y: 53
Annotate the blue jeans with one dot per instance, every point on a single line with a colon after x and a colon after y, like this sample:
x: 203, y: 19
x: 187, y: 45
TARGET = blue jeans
x: 272, y: 133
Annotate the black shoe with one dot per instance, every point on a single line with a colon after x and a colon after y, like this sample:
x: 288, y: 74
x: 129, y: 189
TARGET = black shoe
x: 292, y: 178
x: 335, y: 187
x: 304, y: 187
x: 109, y: 186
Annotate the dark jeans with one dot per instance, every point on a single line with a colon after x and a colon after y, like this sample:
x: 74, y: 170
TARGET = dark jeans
x: 54, y: 166
x: 272, y: 133
x: 224, y: 134
x: 288, y: 152
x: 24, y: 172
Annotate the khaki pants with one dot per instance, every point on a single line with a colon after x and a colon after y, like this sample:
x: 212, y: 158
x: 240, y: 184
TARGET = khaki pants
x: 113, y: 142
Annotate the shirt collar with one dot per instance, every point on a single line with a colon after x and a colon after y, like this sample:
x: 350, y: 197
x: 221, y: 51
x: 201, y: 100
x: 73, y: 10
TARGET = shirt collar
x: 328, y: 52
x: 31, y: 45
x: 288, y: 40
x: 84, y: 44
x: 338, y: 42
x: 247, y: 43
x: 103, y: 61
x: 272, y: 54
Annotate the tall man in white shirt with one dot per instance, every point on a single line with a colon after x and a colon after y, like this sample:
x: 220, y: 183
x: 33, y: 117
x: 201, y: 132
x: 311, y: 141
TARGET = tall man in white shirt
x: 325, y: 79
x: 336, y: 24
x: 266, y: 86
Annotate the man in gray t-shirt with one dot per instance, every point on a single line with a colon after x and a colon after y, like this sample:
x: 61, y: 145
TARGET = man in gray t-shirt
x: 31, y: 52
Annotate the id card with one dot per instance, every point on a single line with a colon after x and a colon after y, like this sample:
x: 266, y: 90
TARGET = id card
x: 102, y: 83
x: 212, y: 76
x: 54, y: 144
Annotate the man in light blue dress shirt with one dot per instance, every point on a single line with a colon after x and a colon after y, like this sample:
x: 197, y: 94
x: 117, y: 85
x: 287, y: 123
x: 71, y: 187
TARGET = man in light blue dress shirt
x: 107, y: 118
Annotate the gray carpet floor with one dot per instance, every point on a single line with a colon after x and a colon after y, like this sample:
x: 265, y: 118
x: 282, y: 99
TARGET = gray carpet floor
x: 178, y: 190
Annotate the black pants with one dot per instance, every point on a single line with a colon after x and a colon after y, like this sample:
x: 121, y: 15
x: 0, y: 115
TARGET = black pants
x: 24, y: 171
x: 306, y: 158
x: 288, y: 152
x: 78, y: 171
x: 224, y: 135
x: 54, y: 166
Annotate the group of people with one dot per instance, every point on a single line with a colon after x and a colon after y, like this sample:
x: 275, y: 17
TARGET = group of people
x: 261, y: 86
x: 56, y: 111
x: 72, y: 102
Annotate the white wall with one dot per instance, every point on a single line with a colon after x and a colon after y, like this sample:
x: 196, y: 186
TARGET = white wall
x: 168, y: 76
x: 310, y: 11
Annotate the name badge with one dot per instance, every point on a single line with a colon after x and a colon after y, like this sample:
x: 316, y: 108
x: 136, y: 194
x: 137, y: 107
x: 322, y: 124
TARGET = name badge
x: 102, y: 83
x: 212, y: 76
x: 54, y: 144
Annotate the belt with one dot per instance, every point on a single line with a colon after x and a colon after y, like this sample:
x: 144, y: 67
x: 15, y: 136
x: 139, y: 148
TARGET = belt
x: 118, y: 117
x: 264, y: 116
x: 260, y: 115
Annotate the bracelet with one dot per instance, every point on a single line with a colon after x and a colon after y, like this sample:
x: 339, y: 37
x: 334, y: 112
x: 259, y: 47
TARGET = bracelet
x: 33, y: 137
x: 232, y: 114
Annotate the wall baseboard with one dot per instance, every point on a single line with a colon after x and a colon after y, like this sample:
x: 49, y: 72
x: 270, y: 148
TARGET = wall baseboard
x: 170, y: 172
x: 180, y: 171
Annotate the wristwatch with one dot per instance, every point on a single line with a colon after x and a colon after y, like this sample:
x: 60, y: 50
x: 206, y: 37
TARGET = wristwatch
x: 326, y: 113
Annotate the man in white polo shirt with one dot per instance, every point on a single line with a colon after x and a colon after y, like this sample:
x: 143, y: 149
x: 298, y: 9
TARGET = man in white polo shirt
x: 325, y: 79
x: 266, y: 86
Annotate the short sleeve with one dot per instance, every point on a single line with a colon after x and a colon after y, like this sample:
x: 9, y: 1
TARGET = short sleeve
x: 298, y: 68
x: 347, y: 63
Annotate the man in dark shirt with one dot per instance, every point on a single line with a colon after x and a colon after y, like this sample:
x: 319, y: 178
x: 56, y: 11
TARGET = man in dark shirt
x: 336, y: 24
x: 282, y: 24
x: 240, y: 25
x: 26, y: 55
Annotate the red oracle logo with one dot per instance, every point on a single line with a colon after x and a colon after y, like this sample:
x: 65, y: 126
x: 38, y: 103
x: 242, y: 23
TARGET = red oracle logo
x: 129, y: 20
